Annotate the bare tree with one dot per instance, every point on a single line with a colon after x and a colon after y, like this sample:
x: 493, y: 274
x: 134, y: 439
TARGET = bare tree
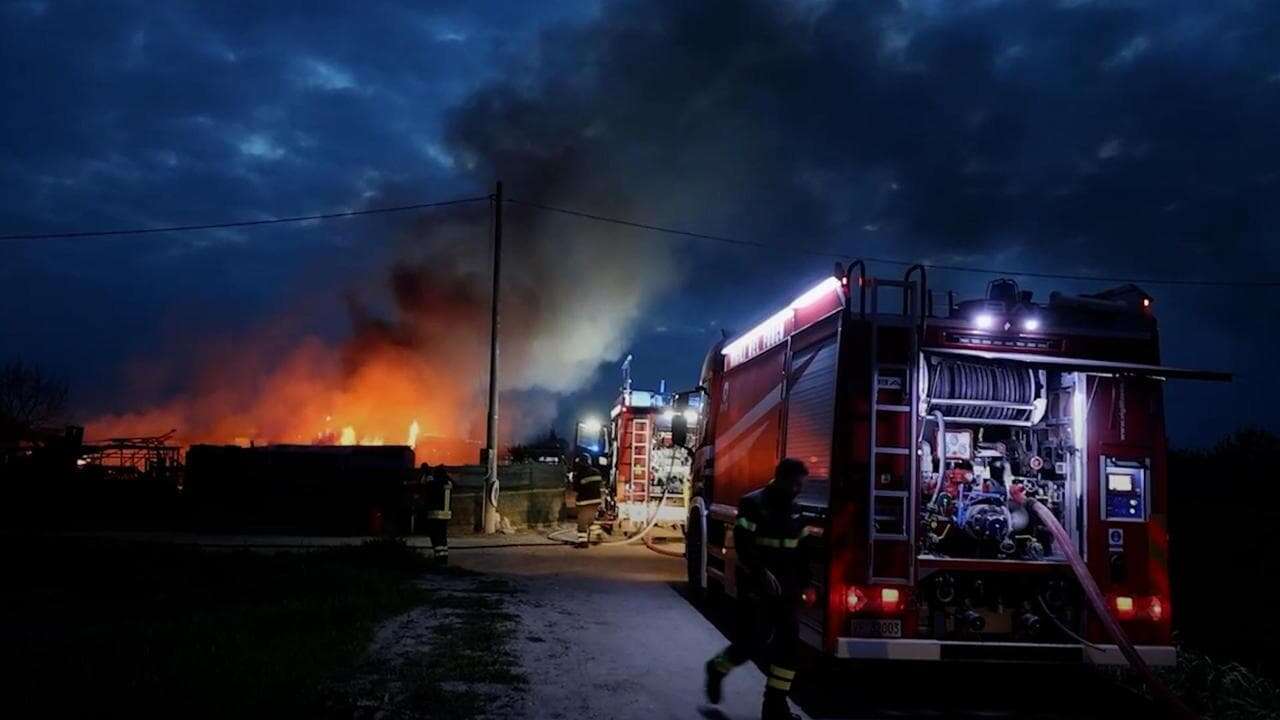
x: 29, y: 398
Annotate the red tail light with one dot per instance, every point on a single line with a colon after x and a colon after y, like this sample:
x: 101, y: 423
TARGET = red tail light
x: 1155, y: 609
x: 885, y: 600
x: 855, y: 599
x: 809, y: 597
x: 1128, y: 607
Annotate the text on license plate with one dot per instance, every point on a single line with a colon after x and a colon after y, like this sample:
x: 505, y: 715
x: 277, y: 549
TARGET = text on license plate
x: 876, y: 628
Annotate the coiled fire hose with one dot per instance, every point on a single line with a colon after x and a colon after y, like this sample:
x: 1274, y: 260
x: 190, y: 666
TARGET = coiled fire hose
x: 964, y: 382
x: 1155, y: 686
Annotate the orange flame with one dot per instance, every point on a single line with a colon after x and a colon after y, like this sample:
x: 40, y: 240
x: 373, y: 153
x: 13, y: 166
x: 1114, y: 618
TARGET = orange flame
x: 420, y: 376
x: 310, y: 399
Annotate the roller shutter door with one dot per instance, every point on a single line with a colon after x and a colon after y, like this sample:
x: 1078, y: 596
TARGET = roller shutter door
x: 811, y: 408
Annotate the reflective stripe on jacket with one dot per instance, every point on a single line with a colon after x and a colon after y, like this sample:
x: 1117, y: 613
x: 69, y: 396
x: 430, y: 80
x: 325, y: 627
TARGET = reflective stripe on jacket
x: 767, y: 535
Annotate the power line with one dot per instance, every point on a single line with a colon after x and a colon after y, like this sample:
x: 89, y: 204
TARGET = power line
x: 640, y: 226
x: 889, y: 261
x: 240, y: 223
x: 669, y: 231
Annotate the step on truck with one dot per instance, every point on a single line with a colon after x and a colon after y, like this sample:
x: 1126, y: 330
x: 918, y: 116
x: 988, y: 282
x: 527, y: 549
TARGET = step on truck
x: 929, y: 425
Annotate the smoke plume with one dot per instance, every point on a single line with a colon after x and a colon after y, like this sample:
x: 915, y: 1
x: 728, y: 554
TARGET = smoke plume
x: 1072, y: 137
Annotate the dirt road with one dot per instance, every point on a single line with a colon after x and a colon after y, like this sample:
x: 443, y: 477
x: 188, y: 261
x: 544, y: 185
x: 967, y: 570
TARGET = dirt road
x: 605, y: 634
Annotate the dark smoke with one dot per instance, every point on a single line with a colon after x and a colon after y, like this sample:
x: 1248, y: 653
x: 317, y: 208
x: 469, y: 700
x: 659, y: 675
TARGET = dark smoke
x: 1077, y: 137
x: 956, y: 127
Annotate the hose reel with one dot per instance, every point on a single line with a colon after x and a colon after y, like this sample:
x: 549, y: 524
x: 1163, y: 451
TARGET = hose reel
x: 985, y: 393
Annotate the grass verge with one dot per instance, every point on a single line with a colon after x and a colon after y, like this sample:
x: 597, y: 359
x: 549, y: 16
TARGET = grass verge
x: 461, y: 665
x: 114, y: 628
x: 1222, y: 690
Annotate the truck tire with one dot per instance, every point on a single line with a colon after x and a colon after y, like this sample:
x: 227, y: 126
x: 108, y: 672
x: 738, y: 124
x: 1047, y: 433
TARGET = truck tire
x: 695, y: 553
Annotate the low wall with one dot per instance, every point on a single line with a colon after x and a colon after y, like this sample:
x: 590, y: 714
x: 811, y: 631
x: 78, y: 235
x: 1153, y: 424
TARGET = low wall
x: 523, y: 508
x: 531, y: 495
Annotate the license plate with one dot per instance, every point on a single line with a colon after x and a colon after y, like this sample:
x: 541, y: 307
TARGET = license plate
x: 876, y: 628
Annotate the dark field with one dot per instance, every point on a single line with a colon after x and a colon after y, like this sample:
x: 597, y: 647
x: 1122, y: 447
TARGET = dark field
x: 104, y: 629
x: 1224, y: 551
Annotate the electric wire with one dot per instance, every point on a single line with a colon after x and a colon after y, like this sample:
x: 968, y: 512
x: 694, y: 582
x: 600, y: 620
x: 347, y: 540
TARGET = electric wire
x: 239, y: 223
x: 652, y: 227
x: 801, y: 250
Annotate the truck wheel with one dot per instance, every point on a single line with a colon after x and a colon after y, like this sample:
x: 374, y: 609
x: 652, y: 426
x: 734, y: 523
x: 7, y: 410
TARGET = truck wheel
x: 695, y: 554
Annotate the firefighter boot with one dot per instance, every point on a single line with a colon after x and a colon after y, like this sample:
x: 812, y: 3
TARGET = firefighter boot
x: 715, y: 677
x: 776, y: 706
x: 775, y: 694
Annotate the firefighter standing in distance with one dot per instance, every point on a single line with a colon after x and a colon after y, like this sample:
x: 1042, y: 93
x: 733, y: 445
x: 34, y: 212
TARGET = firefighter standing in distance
x: 588, y: 483
x: 439, y: 510
x: 771, y: 574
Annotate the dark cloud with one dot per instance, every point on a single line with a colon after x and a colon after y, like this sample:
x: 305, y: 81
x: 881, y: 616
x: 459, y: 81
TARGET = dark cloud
x: 131, y: 114
x: 1133, y: 138
x: 1094, y: 126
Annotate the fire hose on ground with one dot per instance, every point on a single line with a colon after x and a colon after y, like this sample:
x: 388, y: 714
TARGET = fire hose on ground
x: 638, y: 537
x: 648, y: 542
x: 1155, y: 686
x: 643, y: 535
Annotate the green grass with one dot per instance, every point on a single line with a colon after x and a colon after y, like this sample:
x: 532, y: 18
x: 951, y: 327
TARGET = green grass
x: 185, y: 632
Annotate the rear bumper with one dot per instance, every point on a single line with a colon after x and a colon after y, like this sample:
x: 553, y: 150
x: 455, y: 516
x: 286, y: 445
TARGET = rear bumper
x: 940, y: 650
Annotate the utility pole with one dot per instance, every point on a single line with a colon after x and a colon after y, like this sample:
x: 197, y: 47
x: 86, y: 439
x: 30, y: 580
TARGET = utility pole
x: 490, y: 516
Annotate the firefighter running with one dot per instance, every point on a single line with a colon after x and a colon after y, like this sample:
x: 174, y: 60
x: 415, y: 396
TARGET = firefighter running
x: 588, y: 483
x: 439, y: 492
x: 771, y: 574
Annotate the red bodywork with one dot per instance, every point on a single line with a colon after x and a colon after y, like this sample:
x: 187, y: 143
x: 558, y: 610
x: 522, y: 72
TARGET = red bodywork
x: 633, y: 428
x: 800, y: 385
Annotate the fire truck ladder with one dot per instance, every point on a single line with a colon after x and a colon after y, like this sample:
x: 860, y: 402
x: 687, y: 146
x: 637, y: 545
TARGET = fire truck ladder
x: 892, y: 509
x: 638, y: 487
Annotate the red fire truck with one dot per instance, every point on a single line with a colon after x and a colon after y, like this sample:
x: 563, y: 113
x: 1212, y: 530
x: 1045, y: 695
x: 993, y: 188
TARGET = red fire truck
x: 929, y: 426
x: 647, y: 466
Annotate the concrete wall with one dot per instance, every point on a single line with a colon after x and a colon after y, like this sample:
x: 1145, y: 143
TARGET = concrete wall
x: 524, y: 508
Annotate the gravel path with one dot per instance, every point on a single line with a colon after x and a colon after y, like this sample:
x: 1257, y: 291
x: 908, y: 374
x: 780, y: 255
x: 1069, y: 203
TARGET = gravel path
x: 605, y: 634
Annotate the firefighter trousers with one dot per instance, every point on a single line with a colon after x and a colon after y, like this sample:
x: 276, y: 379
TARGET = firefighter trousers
x: 766, y: 628
x: 586, y: 521
x: 438, y: 531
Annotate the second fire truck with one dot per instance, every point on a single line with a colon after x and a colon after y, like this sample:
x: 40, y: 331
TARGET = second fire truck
x: 651, y: 473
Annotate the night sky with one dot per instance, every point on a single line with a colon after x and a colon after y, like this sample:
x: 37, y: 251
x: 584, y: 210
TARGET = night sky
x: 1094, y: 138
